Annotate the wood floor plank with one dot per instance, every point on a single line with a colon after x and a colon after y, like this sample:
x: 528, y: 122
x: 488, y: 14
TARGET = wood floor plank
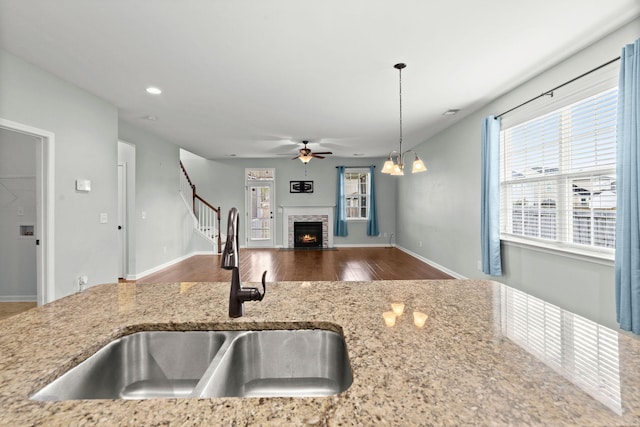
x: 342, y: 264
x: 8, y: 309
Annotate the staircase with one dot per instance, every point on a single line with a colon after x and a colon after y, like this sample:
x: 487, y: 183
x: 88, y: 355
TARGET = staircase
x: 206, y: 217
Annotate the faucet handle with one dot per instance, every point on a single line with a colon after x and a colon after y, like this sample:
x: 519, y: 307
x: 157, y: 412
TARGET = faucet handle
x: 252, y: 294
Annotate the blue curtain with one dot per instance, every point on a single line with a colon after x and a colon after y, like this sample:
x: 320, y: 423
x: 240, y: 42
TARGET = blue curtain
x: 372, y: 222
x: 490, y: 197
x: 340, y: 227
x: 627, y: 261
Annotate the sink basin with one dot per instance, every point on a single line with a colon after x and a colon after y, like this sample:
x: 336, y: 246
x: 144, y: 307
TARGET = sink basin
x: 171, y: 364
x: 139, y: 366
x: 298, y: 363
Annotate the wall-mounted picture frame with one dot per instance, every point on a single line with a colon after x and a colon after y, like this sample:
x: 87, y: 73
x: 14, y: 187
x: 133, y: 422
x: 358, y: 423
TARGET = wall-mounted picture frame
x: 300, y: 186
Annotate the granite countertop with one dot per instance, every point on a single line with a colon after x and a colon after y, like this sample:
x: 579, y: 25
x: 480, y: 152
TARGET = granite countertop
x: 464, y: 367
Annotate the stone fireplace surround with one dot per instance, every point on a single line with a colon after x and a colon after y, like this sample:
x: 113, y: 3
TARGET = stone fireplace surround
x: 291, y: 214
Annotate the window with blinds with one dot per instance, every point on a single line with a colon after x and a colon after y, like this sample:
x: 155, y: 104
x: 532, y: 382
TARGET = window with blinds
x: 356, y: 183
x: 557, y: 175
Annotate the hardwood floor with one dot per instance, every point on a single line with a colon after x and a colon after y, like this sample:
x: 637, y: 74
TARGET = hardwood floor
x: 8, y: 309
x: 342, y: 264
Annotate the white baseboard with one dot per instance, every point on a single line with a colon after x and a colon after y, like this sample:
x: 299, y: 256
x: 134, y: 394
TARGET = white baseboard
x: 432, y: 264
x: 18, y: 298
x: 168, y: 264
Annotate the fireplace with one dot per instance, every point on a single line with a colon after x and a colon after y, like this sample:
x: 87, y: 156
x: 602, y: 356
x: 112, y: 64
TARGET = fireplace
x: 293, y: 214
x: 307, y: 234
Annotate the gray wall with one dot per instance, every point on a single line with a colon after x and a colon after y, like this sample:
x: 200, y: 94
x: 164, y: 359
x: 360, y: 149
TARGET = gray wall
x: 442, y: 207
x: 85, y: 129
x: 162, y: 226
x: 18, y: 280
x: 86, y: 133
x: 222, y: 182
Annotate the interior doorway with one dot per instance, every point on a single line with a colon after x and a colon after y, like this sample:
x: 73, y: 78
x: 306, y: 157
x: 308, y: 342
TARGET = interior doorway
x: 41, y: 232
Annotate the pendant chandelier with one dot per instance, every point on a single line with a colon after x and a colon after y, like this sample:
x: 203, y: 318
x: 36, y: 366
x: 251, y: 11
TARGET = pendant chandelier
x: 396, y: 166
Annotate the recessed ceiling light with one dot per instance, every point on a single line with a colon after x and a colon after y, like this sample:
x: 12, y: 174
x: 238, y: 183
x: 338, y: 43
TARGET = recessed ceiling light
x: 358, y: 154
x: 151, y: 118
x: 231, y: 155
x: 154, y: 90
x: 450, y: 112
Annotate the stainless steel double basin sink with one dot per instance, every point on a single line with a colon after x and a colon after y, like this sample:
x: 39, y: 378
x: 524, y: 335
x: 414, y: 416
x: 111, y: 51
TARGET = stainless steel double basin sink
x: 205, y: 364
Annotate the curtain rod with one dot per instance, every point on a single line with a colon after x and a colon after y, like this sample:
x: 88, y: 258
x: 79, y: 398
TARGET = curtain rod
x: 357, y: 167
x: 550, y: 91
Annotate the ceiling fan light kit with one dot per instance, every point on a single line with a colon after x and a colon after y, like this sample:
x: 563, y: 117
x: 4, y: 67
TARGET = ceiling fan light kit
x: 396, y: 166
x: 306, y: 155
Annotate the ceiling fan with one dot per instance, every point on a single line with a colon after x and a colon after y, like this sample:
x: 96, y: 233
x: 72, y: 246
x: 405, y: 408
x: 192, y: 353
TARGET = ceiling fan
x: 306, y: 155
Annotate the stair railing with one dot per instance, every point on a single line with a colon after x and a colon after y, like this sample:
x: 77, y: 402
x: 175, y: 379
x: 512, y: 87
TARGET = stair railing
x: 208, y: 217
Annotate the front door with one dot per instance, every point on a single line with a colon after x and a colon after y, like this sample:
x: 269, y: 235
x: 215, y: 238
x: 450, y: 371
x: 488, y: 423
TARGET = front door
x: 260, y: 223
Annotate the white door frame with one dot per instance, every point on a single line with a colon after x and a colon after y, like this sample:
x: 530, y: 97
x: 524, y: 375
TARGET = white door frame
x: 267, y: 243
x: 45, y: 185
x: 122, y: 221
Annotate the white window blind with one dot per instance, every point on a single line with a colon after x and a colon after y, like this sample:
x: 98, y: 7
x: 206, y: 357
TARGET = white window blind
x: 558, y: 175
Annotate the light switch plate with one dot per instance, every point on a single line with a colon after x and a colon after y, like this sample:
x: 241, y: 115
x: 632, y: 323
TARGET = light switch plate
x: 104, y: 218
x: 83, y: 185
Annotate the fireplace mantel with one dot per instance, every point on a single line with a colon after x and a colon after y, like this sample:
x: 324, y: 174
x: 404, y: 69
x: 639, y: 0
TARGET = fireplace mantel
x: 299, y: 212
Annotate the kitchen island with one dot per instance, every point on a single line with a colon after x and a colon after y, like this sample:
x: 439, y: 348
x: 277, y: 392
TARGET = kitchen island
x: 487, y: 355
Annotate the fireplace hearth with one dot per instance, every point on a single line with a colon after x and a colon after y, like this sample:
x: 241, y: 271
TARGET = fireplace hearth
x: 307, y: 234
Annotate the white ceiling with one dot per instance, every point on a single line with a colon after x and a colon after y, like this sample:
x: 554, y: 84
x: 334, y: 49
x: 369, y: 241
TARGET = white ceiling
x: 255, y: 77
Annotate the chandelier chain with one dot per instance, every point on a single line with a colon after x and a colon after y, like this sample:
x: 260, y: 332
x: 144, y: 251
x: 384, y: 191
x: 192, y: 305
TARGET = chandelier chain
x: 400, y: 70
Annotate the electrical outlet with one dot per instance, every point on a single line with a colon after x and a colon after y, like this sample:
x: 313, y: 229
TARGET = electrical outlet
x: 479, y: 265
x: 82, y: 283
x: 419, y: 243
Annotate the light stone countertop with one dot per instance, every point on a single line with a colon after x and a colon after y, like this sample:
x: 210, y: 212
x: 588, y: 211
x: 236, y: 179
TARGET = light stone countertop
x: 461, y: 369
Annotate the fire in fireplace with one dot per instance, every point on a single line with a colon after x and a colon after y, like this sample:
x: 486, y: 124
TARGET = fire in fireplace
x: 307, y: 234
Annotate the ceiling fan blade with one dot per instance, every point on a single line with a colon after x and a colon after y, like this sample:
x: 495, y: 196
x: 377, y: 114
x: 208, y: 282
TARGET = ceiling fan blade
x: 316, y: 156
x: 296, y: 157
x: 323, y: 152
